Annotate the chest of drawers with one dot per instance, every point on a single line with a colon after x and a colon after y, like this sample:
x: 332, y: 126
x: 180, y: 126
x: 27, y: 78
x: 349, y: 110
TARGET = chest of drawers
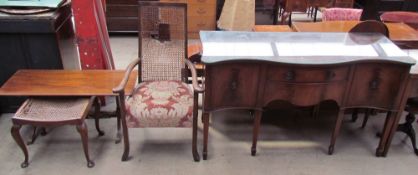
x: 122, y: 15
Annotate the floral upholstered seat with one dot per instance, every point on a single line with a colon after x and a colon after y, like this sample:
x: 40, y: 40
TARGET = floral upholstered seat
x: 160, y: 104
x: 341, y: 14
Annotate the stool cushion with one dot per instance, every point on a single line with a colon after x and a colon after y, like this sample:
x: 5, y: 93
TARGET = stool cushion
x: 52, y: 110
x: 341, y: 14
x: 410, y: 18
x: 160, y: 104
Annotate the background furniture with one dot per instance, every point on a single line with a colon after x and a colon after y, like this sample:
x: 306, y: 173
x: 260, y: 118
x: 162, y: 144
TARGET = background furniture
x: 122, y: 15
x: 272, y: 73
x: 401, y: 34
x: 410, y: 18
x: 272, y: 28
x: 341, y: 14
x: 39, y: 41
x: 370, y: 26
x: 162, y: 97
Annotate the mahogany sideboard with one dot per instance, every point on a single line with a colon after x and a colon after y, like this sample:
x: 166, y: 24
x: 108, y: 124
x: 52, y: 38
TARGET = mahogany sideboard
x: 353, y: 70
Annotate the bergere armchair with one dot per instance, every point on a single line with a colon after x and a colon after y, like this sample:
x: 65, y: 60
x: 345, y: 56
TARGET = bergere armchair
x: 162, y: 98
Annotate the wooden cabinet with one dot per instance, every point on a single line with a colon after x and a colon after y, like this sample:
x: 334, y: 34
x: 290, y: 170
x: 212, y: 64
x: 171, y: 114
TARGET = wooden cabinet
x: 39, y: 41
x: 122, y: 15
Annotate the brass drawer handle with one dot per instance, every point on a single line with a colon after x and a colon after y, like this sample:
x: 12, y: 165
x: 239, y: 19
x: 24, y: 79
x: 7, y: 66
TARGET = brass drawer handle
x: 289, y: 75
x: 234, y: 85
x: 374, y: 84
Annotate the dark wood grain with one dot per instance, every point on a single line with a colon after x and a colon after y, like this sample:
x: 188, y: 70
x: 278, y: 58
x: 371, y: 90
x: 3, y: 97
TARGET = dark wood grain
x: 66, y: 83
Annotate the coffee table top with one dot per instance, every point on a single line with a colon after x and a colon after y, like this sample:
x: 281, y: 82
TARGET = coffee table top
x: 66, y: 83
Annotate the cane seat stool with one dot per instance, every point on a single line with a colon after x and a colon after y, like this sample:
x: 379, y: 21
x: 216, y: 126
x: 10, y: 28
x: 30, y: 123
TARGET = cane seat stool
x: 161, y: 98
x: 51, y: 112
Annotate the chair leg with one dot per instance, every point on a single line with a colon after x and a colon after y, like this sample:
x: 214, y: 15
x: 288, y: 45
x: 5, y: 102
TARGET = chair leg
x: 82, y: 129
x: 34, y: 135
x: 118, y: 123
x: 409, y: 130
x: 195, y: 153
x: 15, y: 131
x: 121, y: 102
x: 366, y: 118
x: 256, y: 129
x: 336, y: 131
x: 97, y: 117
x: 205, y: 134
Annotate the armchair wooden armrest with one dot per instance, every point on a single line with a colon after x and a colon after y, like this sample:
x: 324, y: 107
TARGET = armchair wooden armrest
x: 196, y: 86
x: 121, y: 86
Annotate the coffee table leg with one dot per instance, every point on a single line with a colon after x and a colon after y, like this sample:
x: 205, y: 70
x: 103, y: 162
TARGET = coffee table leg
x: 82, y: 129
x: 97, y: 116
x: 256, y: 129
x: 18, y: 138
x: 205, y: 118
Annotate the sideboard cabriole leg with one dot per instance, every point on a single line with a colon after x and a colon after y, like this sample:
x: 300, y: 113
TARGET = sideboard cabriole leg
x: 82, y: 129
x: 205, y: 119
x: 256, y: 128
x: 336, y: 131
x: 385, y: 136
x: 18, y: 138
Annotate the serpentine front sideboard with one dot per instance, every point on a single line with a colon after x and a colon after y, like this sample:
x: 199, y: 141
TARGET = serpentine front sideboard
x: 248, y: 70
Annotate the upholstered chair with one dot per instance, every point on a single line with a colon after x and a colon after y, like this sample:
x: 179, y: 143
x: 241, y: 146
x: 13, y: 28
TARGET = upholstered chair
x: 162, y: 98
x: 341, y: 14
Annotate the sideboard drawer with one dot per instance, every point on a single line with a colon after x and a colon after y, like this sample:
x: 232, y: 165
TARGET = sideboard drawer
x: 307, y: 75
x: 304, y: 94
x: 231, y: 85
x: 377, y: 85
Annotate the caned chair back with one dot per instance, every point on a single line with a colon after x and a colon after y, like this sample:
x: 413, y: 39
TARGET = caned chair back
x: 162, y: 31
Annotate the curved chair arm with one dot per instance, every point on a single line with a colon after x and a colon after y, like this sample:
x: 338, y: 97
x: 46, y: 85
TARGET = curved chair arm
x: 121, y: 86
x: 196, y: 86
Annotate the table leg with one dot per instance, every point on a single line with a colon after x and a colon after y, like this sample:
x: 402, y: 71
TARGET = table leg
x: 18, y: 138
x: 387, y: 134
x: 97, y: 116
x: 82, y: 129
x: 256, y: 129
x: 336, y: 131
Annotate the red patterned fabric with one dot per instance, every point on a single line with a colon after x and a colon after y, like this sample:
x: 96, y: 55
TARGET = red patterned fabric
x: 341, y: 14
x: 160, y: 104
